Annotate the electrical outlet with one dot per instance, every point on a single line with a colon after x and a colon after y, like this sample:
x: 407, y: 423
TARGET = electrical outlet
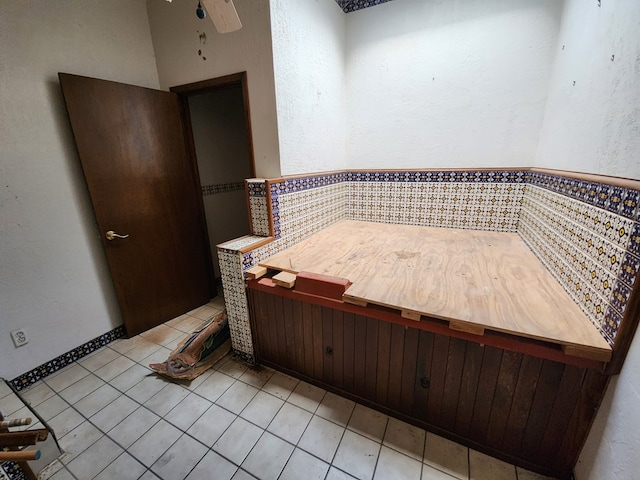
x: 19, y: 338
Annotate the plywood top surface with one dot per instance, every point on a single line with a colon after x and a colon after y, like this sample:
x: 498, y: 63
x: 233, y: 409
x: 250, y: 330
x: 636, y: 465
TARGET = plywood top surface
x: 485, y: 279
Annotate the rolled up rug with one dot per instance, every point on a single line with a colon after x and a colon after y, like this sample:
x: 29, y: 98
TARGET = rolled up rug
x: 199, y: 351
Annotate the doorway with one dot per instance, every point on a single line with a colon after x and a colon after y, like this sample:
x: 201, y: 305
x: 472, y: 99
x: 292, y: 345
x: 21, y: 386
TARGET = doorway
x: 216, y: 114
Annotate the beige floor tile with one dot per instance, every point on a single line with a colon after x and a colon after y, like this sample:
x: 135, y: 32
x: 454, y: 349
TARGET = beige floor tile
x: 114, y: 368
x: 10, y: 405
x: 335, y: 474
x: 321, y: 438
x: 81, y: 388
x: 303, y: 465
x: 392, y: 464
x: 528, y: 475
x: 242, y: 475
x: 212, y: 462
x: 280, y: 385
x: 78, y: 440
x: 65, y: 421
x: 214, y: 386
x: 114, y: 413
x: 143, y: 349
x: 268, y: 457
x: 448, y: 456
x: 97, y: 400
x: 162, y: 334
x: 188, y: 411
x: 237, y: 397
x: 188, y: 324
x: 204, y: 313
x: 256, y: 377
x: 51, y: 407
x: 167, y: 398
x: 123, y: 467
x: 130, y: 377
x: 133, y: 427
x: 66, y: 377
x: 306, y: 396
x: 152, y: 445
x: 62, y: 475
x: 94, y: 459
x: 233, y: 367
x: 430, y: 473
x: 335, y: 408
x: 262, y: 409
x: 180, y: 459
x: 36, y: 393
x: 290, y: 423
x: 405, y: 438
x: 98, y: 359
x: 357, y: 455
x: 236, y: 443
x: 368, y: 422
x: 125, y: 345
x: 210, y: 426
x: 147, y: 388
x: 159, y: 356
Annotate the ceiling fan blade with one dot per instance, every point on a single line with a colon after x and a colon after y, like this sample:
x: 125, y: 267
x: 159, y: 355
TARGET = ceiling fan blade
x: 223, y: 14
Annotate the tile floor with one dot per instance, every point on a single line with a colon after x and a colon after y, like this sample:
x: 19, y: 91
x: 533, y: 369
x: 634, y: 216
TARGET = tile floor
x: 115, y: 419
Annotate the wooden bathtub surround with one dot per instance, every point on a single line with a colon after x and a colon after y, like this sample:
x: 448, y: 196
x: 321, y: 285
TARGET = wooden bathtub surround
x: 476, y: 280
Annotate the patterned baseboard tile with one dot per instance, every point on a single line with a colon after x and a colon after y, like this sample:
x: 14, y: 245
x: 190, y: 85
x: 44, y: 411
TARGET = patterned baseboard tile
x: 46, y: 369
x: 12, y: 471
x: 222, y: 188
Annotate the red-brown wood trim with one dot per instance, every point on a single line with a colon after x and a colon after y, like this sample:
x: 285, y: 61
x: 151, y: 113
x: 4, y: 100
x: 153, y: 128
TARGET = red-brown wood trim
x: 495, y: 339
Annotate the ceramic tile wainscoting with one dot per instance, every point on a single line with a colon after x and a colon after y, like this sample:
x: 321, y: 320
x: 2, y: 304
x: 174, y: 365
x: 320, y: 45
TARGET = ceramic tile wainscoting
x: 116, y: 419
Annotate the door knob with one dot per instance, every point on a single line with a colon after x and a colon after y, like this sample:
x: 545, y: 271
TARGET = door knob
x: 110, y: 235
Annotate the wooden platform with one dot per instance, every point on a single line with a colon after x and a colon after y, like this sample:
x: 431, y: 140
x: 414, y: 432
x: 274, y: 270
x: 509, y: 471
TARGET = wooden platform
x: 475, y: 280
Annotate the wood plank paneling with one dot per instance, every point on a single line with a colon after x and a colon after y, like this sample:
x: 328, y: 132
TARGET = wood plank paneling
x: 521, y: 408
x: 409, y: 371
x: 484, y: 394
x: 468, y: 387
x: 348, y: 352
x: 452, y: 382
x: 423, y: 373
x: 327, y: 346
x: 318, y: 351
x: 396, y: 361
x: 337, y: 343
x: 360, y: 356
x: 503, y: 397
x: 371, y: 354
x: 383, y: 358
x: 543, y: 399
x: 522, y: 402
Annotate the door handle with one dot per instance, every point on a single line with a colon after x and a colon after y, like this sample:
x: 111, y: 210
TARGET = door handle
x: 110, y: 235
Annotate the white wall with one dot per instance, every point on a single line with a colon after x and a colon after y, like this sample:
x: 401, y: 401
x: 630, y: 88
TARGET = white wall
x: 176, y: 33
x: 448, y: 83
x: 53, y: 276
x: 594, y: 125
x: 308, y: 56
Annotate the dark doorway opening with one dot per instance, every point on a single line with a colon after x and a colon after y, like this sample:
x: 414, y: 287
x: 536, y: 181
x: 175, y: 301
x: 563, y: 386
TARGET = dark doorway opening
x: 218, y: 134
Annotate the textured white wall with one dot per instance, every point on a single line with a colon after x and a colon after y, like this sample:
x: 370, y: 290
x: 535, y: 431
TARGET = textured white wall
x: 180, y: 56
x: 594, y: 125
x: 53, y: 276
x: 448, y: 83
x: 308, y: 57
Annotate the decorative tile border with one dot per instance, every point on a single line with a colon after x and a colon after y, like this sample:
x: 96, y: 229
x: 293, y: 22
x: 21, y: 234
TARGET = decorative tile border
x: 12, y: 471
x: 439, y: 176
x: 65, y: 359
x: 222, y: 188
x: 348, y: 6
x: 619, y: 200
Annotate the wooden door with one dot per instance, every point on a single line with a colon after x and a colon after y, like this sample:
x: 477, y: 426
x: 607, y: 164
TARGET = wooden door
x: 142, y: 185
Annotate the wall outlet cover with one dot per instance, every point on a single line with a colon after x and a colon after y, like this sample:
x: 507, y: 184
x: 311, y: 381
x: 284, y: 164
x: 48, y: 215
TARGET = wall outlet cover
x: 19, y: 338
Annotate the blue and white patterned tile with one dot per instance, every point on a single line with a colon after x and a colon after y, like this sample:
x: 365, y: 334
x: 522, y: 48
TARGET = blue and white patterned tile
x: 629, y: 269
